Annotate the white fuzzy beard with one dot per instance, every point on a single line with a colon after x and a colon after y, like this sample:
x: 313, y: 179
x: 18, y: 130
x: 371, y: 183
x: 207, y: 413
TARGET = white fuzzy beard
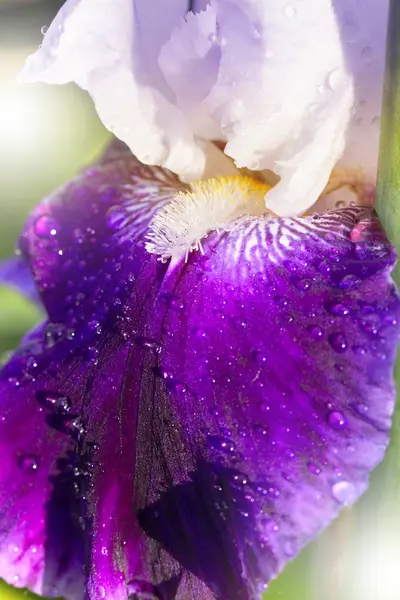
x: 212, y: 205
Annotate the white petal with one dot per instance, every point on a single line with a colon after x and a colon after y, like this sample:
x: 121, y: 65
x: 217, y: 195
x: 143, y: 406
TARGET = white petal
x: 275, y: 79
x: 111, y: 48
x: 282, y: 93
x: 363, y: 27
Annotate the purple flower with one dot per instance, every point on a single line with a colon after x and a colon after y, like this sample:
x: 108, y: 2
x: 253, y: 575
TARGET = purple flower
x: 213, y: 382
x: 188, y: 427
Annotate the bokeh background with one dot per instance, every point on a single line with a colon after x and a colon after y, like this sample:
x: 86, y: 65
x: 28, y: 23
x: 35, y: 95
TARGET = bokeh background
x: 46, y: 135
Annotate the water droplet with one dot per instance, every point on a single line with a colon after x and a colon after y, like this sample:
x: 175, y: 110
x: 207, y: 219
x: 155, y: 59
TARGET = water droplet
x: 46, y: 226
x: 337, y: 420
x: 338, y: 309
x: 359, y: 350
x: 94, y: 325
x: 315, y: 332
x: 289, y: 11
x: 261, y: 358
x: 302, y: 284
x: 224, y: 444
x: 344, y: 492
x: 149, y: 343
x: 324, y: 267
x: 257, y: 32
x: 338, y: 342
x: 290, y: 454
x: 348, y: 281
x: 290, y: 265
x: 370, y: 325
x: 76, y: 426
x: 54, y: 400
x: 53, y: 333
x: 314, y: 469
x: 273, y: 492
x: 29, y: 463
x: 280, y: 301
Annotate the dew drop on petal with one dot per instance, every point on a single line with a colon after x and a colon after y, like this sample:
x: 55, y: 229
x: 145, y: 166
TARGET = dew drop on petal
x: 316, y: 332
x: 149, y: 343
x: 290, y: 454
x: 359, y: 350
x: 54, y: 400
x: 46, y: 226
x: 223, y: 444
x: 53, y: 333
x: 76, y: 426
x: 314, y: 469
x: 302, y: 284
x: 338, y: 342
x: 273, y: 492
x: 336, y: 420
x: 344, y: 492
x: 349, y: 281
x: 280, y: 301
x: 338, y: 309
x: 29, y: 463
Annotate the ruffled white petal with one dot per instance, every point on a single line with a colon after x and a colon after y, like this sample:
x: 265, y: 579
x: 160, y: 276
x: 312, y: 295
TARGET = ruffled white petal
x: 282, y: 96
x: 274, y: 79
x: 111, y: 48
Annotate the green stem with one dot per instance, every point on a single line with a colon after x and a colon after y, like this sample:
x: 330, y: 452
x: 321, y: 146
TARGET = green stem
x: 388, y: 186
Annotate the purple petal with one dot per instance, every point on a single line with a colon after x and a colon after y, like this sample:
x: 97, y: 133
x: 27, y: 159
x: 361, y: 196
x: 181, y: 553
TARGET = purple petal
x: 47, y: 384
x: 41, y: 541
x: 80, y: 240
x: 223, y: 409
x: 277, y: 377
x: 15, y: 273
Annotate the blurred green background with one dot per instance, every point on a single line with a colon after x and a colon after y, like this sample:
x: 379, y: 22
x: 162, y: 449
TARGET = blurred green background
x: 46, y: 135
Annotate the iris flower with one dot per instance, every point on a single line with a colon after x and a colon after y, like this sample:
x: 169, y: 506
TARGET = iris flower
x: 213, y: 380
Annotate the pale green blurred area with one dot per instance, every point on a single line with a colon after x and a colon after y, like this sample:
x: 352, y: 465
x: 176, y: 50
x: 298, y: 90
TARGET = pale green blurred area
x: 46, y: 135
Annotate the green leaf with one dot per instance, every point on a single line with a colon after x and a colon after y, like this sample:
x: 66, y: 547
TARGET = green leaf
x: 388, y: 187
